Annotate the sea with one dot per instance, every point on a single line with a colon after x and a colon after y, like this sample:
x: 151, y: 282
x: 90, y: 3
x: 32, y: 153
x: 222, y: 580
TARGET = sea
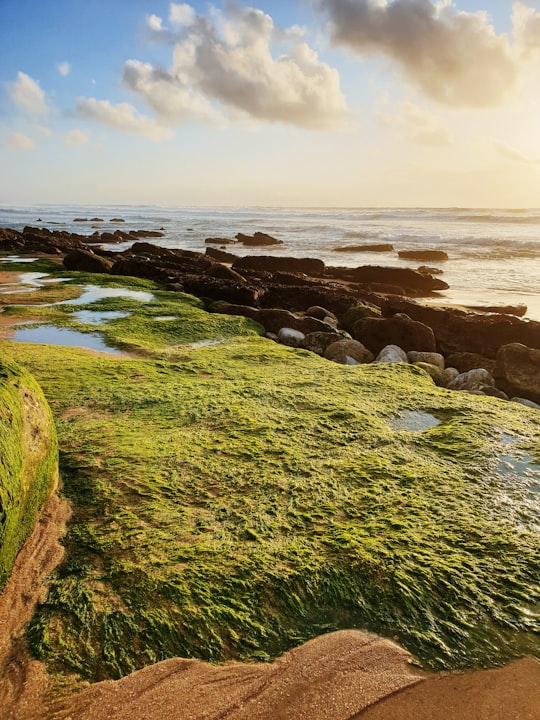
x: 493, y: 254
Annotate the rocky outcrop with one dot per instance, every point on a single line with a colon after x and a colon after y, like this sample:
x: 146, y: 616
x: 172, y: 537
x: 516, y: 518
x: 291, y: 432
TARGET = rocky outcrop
x: 87, y: 261
x: 427, y: 255
x: 460, y: 331
x: 258, y: 239
x: 29, y: 459
x: 517, y: 371
x: 308, y: 266
x: 401, y: 330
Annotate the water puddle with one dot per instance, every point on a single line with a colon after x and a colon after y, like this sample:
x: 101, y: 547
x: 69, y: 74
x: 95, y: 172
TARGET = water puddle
x: 518, y: 468
x: 414, y: 421
x: 95, y: 317
x: 16, y: 258
x: 51, y: 335
x: 94, y: 292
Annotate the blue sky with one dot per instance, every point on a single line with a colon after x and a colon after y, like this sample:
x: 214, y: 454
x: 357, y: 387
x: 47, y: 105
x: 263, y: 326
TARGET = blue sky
x: 313, y: 102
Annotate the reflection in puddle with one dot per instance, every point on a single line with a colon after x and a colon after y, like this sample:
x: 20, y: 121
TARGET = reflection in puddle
x: 50, y: 335
x: 414, y: 421
x: 16, y: 258
x: 94, y: 292
x: 95, y: 317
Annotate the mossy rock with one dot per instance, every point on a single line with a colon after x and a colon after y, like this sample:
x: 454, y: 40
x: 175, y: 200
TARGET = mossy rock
x: 352, y: 315
x: 437, y: 375
x: 28, y: 459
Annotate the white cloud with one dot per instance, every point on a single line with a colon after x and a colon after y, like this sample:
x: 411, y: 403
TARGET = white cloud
x: 454, y: 57
x: 181, y: 14
x: 417, y: 125
x: 76, y: 137
x: 227, y: 60
x: 18, y: 141
x: 526, y: 27
x: 64, y: 68
x: 155, y: 23
x: 27, y: 95
x: 122, y: 116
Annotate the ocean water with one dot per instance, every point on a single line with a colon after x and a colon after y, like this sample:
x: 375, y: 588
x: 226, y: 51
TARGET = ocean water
x: 494, y: 255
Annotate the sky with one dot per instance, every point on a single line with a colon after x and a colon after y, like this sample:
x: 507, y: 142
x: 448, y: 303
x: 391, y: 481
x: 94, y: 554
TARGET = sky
x: 327, y: 103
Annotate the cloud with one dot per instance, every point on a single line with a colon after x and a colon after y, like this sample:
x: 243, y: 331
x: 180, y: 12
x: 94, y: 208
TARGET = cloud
x: 122, y: 116
x: 18, y: 141
x: 64, y: 68
x: 181, y: 14
x: 229, y: 61
x: 526, y: 27
x: 76, y: 137
x: 155, y: 23
x: 27, y: 96
x: 510, y: 153
x: 454, y: 57
x: 417, y: 125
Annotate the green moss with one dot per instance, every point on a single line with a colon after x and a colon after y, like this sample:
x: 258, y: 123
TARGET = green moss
x: 247, y: 496
x: 28, y: 459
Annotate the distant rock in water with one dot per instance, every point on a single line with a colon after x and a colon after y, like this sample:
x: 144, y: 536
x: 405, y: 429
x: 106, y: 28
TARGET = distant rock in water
x: 29, y: 459
x: 81, y: 220
x: 219, y: 241
x: 259, y: 238
x: 382, y: 247
x: 423, y: 254
x: 428, y: 270
x: 117, y: 220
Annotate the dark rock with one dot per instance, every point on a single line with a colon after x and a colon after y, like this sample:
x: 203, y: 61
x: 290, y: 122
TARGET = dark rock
x: 259, y: 238
x: 472, y: 380
x: 460, y: 331
x: 146, y: 233
x: 357, y: 312
x: 96, y: 219
x: 221, y: 255
x: 517, y: 371
x: 518, y: 310
x: 381, y: 247
x: 413, y: 282
x: 81, y: 220
x: 308, y: 266
x: 428, y: 270
x: 434, y: 371
x: 290, y: 278
x: 401, y: 330
x: 87, y: 261
x: 317, y: 342
x: 465, y: 361
x: 221, y: 289
x: 300, y: 297
x: 222, y: 271
x: 423, y: 254
x: 117, y: 220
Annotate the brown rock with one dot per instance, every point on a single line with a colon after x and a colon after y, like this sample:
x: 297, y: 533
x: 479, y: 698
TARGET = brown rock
x: 423, y: 254
x: 310, y: 266
x: 87, y: 261
x: 517, y: 371
x: 342, y: 351
x: 464, y: 361
x: 413, y: 282
x: 376, y: 333
x: 259, y: 238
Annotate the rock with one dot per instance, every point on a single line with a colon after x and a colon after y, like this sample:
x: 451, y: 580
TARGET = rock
x: 518, y: 310
x: 517, y: 371
x: 272, y: 319
x: 450, y: 374
x: 317, y: 342
x: 204, y: 286
x: 291, y: 337
x: 259, y: 238
x: 472, y: 380
x: 390, y: 354
x: 465, y: 361
x: 146, y: 233
x: 491, y: 391
x: 300, y: 297
x: 525, y: 402
x: 399, y: 330
x: 310, y: 266
x: 222, y: 271
x: 381, y: 247
x: 29, y: 459
x: 220, y: 241
x: 87, y: 261
x: 460, y: 331
x: 117, y: 220
x: 428, y: 270
x: 413, y: 282
x: 80, y: 220
x: 416, y: 356
x: 437, y: 374
x: 318, y: 312
x: 221, y: 255
x: 357, y: 313
x: 423, y: 255
x: 96, y: 219
x: 343, y: 351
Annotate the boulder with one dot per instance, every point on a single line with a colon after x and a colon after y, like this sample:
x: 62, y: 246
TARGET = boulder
x: 300, y: 297
x: 399, y: 330
x: 517, y: 371
x: 465, y: 361
x: 309, y: 266
x: 259, y: 238
x: 413, y: 282
x: 416, y: 356
x: 472, y: 380
x: 344, y: 350
x: 526, y: 403
x: 437, y: 374
x: 87, y: 261
x: 291, y: 337
x: 423, y: 255
x: 450, y: 373
x: 357, y: 312
x: 221, y: 255
x: 317, y: 342
x: 390, y: 354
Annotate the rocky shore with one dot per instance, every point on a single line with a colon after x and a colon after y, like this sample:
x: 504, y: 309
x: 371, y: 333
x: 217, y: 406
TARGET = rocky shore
x: 348, y: 315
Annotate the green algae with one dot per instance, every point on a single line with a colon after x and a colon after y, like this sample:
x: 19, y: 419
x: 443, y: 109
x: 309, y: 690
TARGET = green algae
x: 28, y: 459
x: 247, y: 496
